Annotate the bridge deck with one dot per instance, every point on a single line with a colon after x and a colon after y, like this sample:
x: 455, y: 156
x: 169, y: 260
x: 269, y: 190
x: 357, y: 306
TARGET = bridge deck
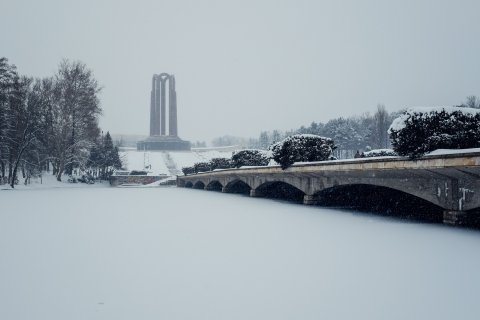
x: 470, y: 160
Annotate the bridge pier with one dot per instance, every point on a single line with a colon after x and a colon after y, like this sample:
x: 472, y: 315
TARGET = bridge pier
x: 311, y: 199
x: 256, y: 193
x: 224, y: 190
x: 455, y: 218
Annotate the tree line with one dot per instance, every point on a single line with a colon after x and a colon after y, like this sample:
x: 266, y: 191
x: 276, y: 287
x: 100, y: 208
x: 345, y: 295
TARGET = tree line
x: 361, y: 132
x: 415, y: 133
x: 52, y: 124
x: 349, y: 133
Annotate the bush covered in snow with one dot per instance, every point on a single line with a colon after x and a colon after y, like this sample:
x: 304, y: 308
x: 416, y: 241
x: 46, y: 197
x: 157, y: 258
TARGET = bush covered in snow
x: 138, y: 173
x: 421, y: 130
x: 250, y: 157
x: 302, y: 148
x: 188, y: 170
x: 201, y: 167
x: 220, y: 163
x: 380, y: 153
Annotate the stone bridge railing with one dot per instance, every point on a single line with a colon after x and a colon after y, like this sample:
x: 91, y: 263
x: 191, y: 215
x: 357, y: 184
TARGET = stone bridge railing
x: 133, y: 179
x: 451, y: 182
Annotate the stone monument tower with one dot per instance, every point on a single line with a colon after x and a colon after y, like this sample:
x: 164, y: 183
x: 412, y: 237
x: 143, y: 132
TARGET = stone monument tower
x: 158, y: 139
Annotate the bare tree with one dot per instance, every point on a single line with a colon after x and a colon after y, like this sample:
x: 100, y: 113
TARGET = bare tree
x: 382, y: 123
x: 25, y: 112
x: 472, y: 102
x: 8, y: 75
x: 74, y: 117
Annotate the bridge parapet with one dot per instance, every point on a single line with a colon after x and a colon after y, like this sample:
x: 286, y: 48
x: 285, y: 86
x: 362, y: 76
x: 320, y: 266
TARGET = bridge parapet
x: 451, y: 182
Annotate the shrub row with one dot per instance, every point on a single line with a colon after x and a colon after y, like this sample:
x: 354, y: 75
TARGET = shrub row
x: 250, y: 157
x: 296, y: 148
x: 379, y: 153
x: 215, y: 163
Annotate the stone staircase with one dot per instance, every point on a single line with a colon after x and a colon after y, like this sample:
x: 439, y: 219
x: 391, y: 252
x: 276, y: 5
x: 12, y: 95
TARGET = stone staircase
x: 171, y: 166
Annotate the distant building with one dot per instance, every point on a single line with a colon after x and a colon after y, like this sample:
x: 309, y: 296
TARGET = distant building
x: 158, y: 139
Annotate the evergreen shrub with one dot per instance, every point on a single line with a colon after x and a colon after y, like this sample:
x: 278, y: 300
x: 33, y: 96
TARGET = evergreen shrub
x: 380, y: 153
x: 302, y: 148
x: 201, y: 167
x: 250, y: 157
x: 220, y: 163
x: 188, y: 170
x: 138, y: 173
x: 422, y: 130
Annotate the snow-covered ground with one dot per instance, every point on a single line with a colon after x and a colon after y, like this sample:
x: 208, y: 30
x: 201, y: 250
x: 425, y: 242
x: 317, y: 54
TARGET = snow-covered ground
x: 152, y: 161
x: 161, y: 162
x: 49, y: 181
x: 168, y: 253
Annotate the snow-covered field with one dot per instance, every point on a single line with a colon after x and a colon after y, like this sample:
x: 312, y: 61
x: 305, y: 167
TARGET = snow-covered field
x: 168, y: 253
x: 158, y: 162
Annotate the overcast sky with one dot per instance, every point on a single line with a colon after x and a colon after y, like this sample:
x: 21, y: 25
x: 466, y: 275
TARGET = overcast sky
x: 245, y: 66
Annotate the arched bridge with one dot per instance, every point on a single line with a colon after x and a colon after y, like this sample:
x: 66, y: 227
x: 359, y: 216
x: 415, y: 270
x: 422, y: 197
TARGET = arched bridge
x: 450, y: 183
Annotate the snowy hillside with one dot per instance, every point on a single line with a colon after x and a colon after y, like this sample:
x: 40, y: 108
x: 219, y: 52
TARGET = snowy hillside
x: 166, y: 162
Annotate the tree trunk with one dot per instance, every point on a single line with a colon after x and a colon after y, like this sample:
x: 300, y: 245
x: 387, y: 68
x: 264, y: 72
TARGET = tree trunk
x: 10, y: 168
x: 60, y: 170
x: 14, y: 173
x: 12, y: 178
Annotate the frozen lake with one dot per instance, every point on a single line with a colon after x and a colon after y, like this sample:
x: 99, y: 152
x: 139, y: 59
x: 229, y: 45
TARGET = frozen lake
x: 168, y: 253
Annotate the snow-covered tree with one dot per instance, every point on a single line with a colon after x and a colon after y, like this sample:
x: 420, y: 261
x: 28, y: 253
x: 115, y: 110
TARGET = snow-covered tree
x: 51, y: 121
x: 382, y: 123
x: 276, y: 136
x: 76, y: 112
x: 472, y: 102
x: 421, y: 130
x: 345, y: 133
x: 25, y: 124
x: 104, y: 157
x: 8, y: 78
x: 263, y: 140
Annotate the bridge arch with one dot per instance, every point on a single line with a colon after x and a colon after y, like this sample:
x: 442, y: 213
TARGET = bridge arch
x: 280, y: 190
x: 237, y: 186
x: 410, y: 187
x: 296, y: 182
x: 380, y: 199
x: 199, y: 185
x: 189, y: 184
x: 214, y: 185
